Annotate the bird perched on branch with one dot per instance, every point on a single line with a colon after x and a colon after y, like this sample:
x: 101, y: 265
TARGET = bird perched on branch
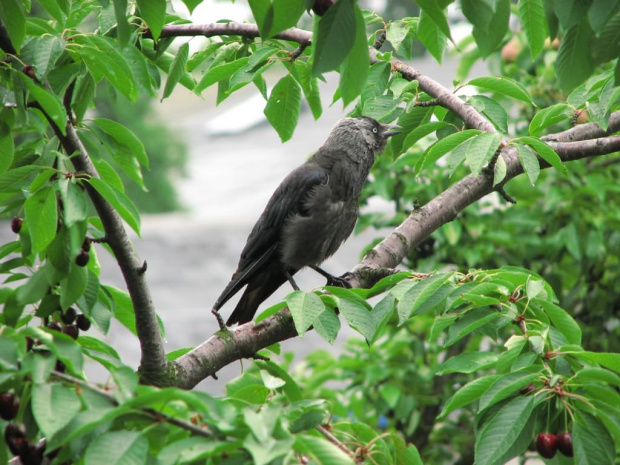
x: 308, y: 217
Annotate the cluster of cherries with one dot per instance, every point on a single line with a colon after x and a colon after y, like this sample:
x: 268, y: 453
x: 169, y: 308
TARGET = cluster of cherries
x: 547, y: 444
x: 15, y: 434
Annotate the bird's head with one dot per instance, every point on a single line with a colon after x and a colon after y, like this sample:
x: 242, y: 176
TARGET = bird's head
x: 363, y: 131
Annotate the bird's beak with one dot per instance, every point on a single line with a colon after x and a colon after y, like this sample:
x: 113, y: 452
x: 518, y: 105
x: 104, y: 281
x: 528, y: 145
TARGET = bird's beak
x: 389, y: 130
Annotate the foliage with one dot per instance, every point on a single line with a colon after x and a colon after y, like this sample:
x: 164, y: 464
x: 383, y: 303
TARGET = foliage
x: 460, y: 360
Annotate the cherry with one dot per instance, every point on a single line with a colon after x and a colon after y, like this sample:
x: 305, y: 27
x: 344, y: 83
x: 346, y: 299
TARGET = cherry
x: 15, y: 437
x: 565, y: 444
x: 16, y: 224
x: 8, y: 406
x: 527, y: 389
x: 83, y: 322
x: 71, y: 331
x: 55, y: 326
x: 82, y: 259
x: 546, y: 445
x: 68, y: 316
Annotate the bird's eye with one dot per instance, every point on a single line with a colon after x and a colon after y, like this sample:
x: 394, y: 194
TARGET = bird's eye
x: 374, y: 130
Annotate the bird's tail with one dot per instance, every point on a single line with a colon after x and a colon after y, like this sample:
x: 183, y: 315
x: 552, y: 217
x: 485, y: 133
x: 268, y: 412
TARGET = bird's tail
x: 258, y: 290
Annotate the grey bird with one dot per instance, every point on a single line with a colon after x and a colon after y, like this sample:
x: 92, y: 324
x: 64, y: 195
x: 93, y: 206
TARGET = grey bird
x: 308, y: 217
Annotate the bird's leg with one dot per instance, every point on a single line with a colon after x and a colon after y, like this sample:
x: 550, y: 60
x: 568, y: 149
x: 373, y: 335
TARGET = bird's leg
x: 291, y: 280
x: 331, y: 279
x: 220, y: 320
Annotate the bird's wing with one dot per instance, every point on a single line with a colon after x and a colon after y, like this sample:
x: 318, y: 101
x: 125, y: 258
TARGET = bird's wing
x: 262, y: 243
x: 288, y: 199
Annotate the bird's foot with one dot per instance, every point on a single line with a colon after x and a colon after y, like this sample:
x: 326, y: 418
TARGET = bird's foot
x: 258, y: 356
x: 220, y: 320
x: 339, y: 281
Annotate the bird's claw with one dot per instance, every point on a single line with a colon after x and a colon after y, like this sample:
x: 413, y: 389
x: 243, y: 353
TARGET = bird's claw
x: 339, y: 281
x: 220, y: 320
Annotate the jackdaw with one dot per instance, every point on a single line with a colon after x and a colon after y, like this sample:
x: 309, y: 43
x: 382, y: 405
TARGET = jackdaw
x: 308, y: 217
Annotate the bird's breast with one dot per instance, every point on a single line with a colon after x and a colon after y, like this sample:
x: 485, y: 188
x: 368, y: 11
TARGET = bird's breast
x: 312, y: 238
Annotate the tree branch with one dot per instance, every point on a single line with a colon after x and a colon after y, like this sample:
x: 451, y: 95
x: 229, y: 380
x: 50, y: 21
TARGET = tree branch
x: 153, y: 357
x: 466, y: 112
x: 586, y: 131
x: 224, y: 348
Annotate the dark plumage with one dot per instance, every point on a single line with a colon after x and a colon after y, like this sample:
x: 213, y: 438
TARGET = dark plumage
x: 309, y: 215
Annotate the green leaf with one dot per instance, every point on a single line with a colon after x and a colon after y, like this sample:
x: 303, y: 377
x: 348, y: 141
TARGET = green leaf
x: 607, y: 359
x: 53, y: 406
x: 47, y: 50
x: 467, y: 362
x: 177, y: 69
x: 545, y: 152
x: 273, y: 17
x: 529, y: 162
x: 73, y: 286
x: 354, y: 69
x: 305, y: 308
x: 498, y: 435
x: 121, y: 203
x: 431, y: 36
x: 357, y: 314
x: 481, y: 150
x: 103, y: 60
x: 606, y: 47
x: 492, y: 110
x: 503, y: 85
x: 123, y: 308
x: 154, y: 13
x: 7, y: 148
x: 50, y: 103
x: 283, y: 106
x: 335, y: 35
x: 436, y: 13
x: 15, y: 176
x: 469, y: 393
x: 571, y: 12
x: 562, y: 321
x: 550, y: 116
x: 508, y: 385
x: 532, y: 13
x: 471, y: 321
x: 592, y: 443
x: 75, y: 202
x: 422, y: 131
x: 574, y: 62
x: 42, y: 218
x: 601, y: 11
x: 122, y: 27
x: 35, y: 289
x: 219, y: 73
x: 321, y: 450
x: 443, y: 146
x: 499, y: 170
x: 489, y: 37
x: 327, y: 325
x: 597, y: 375
x: 414, y: 301
x: 124, y: 137
x: 117, y: 448
x: 13, y: 18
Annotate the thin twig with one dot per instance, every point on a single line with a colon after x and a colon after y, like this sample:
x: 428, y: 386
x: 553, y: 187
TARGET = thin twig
x: 149, y: 411
x: 334, y: 440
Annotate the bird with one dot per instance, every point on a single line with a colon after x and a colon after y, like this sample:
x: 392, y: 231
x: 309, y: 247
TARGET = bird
x: 310, y: 214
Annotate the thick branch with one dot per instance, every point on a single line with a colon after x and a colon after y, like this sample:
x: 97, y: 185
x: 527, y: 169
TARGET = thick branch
x: 224, y: 348
x: 586, y: 131
x: 153, y: 356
